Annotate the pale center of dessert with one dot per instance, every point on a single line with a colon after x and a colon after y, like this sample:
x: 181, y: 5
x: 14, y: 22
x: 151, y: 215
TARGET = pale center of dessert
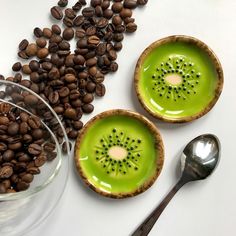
x: 174, y: 79
x: 118, y: 153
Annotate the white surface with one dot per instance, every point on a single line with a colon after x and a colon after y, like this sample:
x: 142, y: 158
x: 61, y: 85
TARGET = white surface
x: 205, y: 208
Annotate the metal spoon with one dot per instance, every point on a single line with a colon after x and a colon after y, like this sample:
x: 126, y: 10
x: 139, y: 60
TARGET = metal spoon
x: 198, y: 160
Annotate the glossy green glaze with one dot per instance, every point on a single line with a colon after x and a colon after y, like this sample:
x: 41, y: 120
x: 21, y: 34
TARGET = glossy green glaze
x: 112, y: 175
x: 198, y: 80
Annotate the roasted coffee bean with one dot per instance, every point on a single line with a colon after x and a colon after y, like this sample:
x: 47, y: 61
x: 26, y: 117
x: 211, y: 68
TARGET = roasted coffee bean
x: 131, y: 27
x: 125, y: 12
x: 17, y: 66
x: 91, y: 62
x: 53, y: 97
x: 30, y: 100
x: 6, y: 172
x: 128, y: 20
x: 70, y: 13
x: 13, y: 128
x: 88, y: 98
x: 118, y: 37
x: 100, y: 90
x: 98, y: 11
x: 108, y: 13
x: 90, y: 87
x: 33, y: 170
x: 40, y: 160
x: 131, y: 4
x: 42, y: 53
x: 88, y: 11
x: 34, y: 65
x: 47, y: 33
x: 56, y: 29
x: 34, y: 122
x: 31, y: 49
x: 118, y: 46
x: 8, y: 155
x: 70, y: 78
x: 102, y: 23
x: 79, y: 20
x: 21, y: 186
x: 37, y: 133
x: 70, y: 113
x: 3, y: 188
x: 105, y: 4
x: 24, y: 128
x: 57, y: 13
x: 38, y: 32
x: 117, y: 7
x: 34, y: 149
x: 77, y: 6
x: 3, y: 147
x: 87, y: 108
x: 23, y: 44
x: 64, y: 92
x: 68, y: 34
x: 116, y: 20
x: 114, y: 67
x: 142, y: 2
x: 62, y: 3
x: 27, y: 178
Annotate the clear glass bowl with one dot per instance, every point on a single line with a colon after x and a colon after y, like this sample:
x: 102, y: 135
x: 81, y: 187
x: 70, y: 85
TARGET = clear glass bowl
x: 22, y: 211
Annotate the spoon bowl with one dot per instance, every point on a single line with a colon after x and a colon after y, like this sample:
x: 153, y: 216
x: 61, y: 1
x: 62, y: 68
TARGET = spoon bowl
x: 199, y: 159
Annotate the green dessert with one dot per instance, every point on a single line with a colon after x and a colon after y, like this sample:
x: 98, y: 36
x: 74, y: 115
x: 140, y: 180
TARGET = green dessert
x: 178, y: 79
x: 119, y: 153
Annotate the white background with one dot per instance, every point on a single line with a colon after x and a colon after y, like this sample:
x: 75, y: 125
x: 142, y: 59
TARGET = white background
x: 204, y: 208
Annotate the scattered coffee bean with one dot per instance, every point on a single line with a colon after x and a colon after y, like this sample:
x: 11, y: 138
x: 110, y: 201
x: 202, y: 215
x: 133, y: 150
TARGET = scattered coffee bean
x: 57, y: 13
x: 62, y: 3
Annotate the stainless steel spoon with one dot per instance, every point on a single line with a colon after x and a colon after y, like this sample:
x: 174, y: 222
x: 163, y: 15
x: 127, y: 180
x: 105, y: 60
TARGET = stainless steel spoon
x: 198, y: 160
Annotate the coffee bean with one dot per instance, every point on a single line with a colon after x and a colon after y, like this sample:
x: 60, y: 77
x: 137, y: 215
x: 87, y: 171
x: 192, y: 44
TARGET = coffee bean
x: 117, y: 7
x: 8, y: 155
x: 13, y: 128
x: 34, y: 122
x: 21, y: 186
x: 98, y: 11
x: 68, y: 34
x: 34, y: 65
x: 105, y: 4
x: 23, y: 44
x: 6, y: 172
x: 42, y: 53
x: 102, y: 23
x: 70, y: 78
x: 128, y: 20
x: 3, y: 188
x: 118, y: 46
x: 31, y: 49
x: 70, y: 13
x: 125, y: 12
x: 34, y: 149
x: 142, y: 2
x: 77, y: 6
x: 53, y: 97
x: 131, y: 27
x: 131, y: 4
x: 88, y: 98
x: 27, y: 178
x: 47, y: 33
x: 31, y: 100
x: 40, y: 160
x: 88, y: 11
x: 3, y: 147
x: 17, y: 66
x: 38, y: 32
x: 108, y: 13
x: 57, y: 13
x: 100, y: 90
x: 88, y: 108
x: 62, y: 3
x: 70, y: 113
x: 37, y: 133
x: 64, y: 92
x: 56, y: 29
x: 79, y: 20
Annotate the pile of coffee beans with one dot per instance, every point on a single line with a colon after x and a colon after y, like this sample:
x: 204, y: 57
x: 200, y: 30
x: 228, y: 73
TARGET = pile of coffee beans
x: 67, y: 79
x: 23, y: 148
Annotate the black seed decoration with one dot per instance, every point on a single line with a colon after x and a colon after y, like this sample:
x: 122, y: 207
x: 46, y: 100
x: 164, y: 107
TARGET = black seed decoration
x: 153, y: 76
x: 114, y: 130
x: 136, y: 168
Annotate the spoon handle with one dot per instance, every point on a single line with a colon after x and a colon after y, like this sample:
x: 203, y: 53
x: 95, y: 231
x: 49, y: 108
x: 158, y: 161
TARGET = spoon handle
x: 146, y: 226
